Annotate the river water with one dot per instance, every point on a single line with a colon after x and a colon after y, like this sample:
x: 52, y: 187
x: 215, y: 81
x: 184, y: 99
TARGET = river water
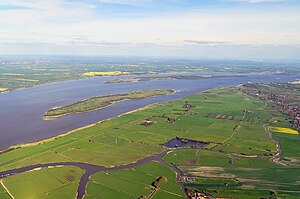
x: 21, y: 111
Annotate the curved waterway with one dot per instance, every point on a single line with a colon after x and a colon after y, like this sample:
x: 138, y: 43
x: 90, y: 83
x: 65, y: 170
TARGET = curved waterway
x: 89, y: 169
x: 21, y: 111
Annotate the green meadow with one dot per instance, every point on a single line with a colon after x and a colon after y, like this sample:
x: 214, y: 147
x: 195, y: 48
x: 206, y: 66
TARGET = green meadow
x: 46, y: 183
x: 134, y: 183
x: 243, y: 176
x: 3, y: 193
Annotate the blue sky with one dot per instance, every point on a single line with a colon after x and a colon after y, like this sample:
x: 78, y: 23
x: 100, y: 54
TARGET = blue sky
x: 212, y: 29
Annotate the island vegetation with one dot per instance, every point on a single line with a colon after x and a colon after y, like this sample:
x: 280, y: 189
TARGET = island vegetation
x: 99, y: 102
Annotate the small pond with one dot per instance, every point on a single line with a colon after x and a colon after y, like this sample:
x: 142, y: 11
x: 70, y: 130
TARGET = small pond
x: 184, y: 143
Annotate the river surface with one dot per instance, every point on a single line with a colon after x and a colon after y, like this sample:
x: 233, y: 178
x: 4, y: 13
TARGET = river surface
x: 22, y: 110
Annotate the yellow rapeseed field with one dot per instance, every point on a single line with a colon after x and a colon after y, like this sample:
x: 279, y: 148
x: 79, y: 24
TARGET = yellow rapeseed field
x: 11, y: 74
x: 283, y: 130
x: 109, y: 73
x: 3, y: 89
x: 26, y: 80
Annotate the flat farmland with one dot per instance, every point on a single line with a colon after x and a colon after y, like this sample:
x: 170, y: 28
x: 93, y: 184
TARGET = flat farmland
x: 134, y: 183
x: 223, y: 175
x: 194, y: 157
x: 3, y: 193
x: 50, y: 183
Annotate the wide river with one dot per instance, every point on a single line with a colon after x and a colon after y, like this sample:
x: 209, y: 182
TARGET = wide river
x: 21, y: 111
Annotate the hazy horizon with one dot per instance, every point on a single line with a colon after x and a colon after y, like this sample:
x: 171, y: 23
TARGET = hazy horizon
x: 207, y: 29
x: 34, y: 57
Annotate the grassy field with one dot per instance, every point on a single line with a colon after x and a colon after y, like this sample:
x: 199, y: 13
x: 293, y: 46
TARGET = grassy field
x: 46, y: 183
x: 229, y: 119
x: 134, y: 183
x: 205, y: 158
x: 3, y: 193
x: 222, y: 175
x: 99, y: 102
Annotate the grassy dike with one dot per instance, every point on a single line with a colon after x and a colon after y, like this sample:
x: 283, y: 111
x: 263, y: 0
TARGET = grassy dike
x: 100, y: 102
x: 227, y: 118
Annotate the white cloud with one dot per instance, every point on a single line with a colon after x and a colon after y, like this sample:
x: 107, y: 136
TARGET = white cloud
x: 38, y: 10
x: 207, y: 42
x: 76, y: 27
x: 232, y: 27
x: 126, y: 2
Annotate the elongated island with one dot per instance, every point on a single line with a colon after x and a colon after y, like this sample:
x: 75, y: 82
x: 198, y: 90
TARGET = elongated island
x: 99, y: 102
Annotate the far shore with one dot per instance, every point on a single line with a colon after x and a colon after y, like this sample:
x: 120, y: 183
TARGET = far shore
x: 83, y: 77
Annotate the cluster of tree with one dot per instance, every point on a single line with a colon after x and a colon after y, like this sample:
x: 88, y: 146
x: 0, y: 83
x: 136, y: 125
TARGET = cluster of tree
x: 159, y: 181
